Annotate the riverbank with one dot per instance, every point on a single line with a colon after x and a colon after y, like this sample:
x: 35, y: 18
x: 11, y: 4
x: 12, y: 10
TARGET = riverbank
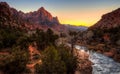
x: 107, y: 50
x: 101, y: 63
x: 111, y: 51
x: 84, y: 66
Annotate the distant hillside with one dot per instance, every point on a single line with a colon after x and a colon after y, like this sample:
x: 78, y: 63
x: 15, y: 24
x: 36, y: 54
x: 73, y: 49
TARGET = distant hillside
x: 76, y: 28
x: 109, y: 20
x: 108, y: 28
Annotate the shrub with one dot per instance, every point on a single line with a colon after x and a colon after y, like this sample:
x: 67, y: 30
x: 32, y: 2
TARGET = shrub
x: 51, y: 63
x: 69, y: 59
x: 57, y: 61
x: 15, y: 63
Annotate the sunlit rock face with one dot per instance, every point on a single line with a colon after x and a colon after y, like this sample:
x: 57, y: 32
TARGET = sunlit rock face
x: 42, y: 17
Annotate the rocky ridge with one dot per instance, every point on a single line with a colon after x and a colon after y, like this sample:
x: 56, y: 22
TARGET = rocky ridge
x: 109, y: 20
x: 40, y: 19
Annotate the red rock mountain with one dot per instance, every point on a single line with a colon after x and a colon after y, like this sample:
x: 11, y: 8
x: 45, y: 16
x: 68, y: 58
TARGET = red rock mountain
x: 32, y: 20
x: 109, y: 20
x: 41, y: 17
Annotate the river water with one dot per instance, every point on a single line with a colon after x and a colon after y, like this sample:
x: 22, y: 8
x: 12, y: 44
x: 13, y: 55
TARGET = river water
x: 101, y: 63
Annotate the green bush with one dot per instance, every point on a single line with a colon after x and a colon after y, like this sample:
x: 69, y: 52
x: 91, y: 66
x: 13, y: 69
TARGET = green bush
x: 15, y: 63
x: 57, y: 61
x: 69, y: 59
x: 44, y: 39
x: 8, y: 36
x: 51, y: 63
x: 23, y: 42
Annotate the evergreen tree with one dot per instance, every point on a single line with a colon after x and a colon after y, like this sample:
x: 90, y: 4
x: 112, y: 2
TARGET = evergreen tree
x: 15, y: 63
x: 51, y: 63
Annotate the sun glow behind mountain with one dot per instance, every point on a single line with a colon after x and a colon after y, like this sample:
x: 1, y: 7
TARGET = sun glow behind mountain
x: 79, y: 12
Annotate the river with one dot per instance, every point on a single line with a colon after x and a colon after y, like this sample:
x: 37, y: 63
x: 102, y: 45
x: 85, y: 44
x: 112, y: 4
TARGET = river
x: 101, y: 63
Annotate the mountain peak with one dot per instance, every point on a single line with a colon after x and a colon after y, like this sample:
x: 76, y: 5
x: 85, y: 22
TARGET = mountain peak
x: 41, y: 9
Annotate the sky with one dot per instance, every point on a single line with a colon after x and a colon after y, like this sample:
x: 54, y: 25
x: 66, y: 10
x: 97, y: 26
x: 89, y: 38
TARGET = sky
x: 74, y: 12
